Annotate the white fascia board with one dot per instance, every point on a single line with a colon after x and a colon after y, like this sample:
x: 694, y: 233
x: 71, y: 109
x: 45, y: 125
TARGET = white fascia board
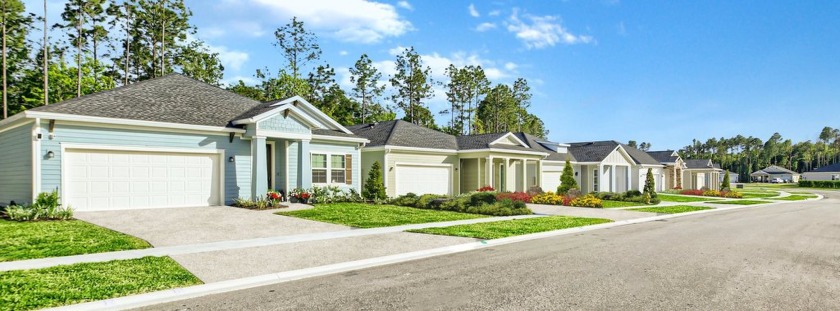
x: 504, y: 151
x: 155, y: 124
x: 271, y: 113
x: 521, y: 143
x: 314, y: 111
x: 340, y: 138
x: 11, y: 119
x: 416, y: 149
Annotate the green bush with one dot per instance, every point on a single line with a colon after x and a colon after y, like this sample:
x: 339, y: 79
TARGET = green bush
x: 47, y: 206
x: 567, y: 179
x: 632, y: 193
x: 478, y: 198
x: 464, y: 204
x: 374, y: 187
x: 588, y: 200
x: 425, y: 201
x: 506, y: 207
x: 408, y: 199
x: 829, y: 184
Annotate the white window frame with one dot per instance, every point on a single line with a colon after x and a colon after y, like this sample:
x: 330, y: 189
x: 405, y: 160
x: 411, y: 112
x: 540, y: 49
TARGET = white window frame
x: 329, y: 167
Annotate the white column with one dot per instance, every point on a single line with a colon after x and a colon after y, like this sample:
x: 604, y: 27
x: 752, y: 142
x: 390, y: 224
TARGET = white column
x: 600, y: 178
x: 524, y: 175
x: 478, y: 171
x: 489, y: 172
x: 612, y: 179
x: 628, y: 170
x: 259, y: 169
x: 506, y: 180
x: 539, y: 174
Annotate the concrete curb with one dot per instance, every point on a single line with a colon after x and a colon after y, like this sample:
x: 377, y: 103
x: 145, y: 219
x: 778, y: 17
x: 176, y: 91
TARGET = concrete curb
x: 176, y: 294
x: 235, y: 244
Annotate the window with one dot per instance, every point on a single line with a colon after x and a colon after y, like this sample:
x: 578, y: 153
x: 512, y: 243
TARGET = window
x: 337, y: 169
x: 595, y: 181
x: 319, y: 168
x: 328, y: 168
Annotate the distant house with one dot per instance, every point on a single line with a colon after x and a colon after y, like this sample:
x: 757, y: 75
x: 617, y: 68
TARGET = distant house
x: 829, y: 172
x: 769, y: 173
x: 701, y: 173
x: 733, y: 177
x: 674, y: 166
x: 610, y: 166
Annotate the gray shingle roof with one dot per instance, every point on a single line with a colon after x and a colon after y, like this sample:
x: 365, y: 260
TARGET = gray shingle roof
x: 533, y: 142
x: 477, y: 141
x: 665, y: 156
x: 406, y: 134
x: 828, y: 168
x: 773, y: 169
x: 172, y: 98
x: 639, y: 156
x: 700, y: 163
x: 593, y: 151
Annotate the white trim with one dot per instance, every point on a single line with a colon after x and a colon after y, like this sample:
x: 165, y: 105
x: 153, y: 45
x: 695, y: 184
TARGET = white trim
x: 503, y: 151
x: 448, y: 166
x: 68, y: 117
x: 141, y: 128
x: 9, y: 128
x: 288, y: 104
x: 521, y: 143
x: 317, y: 112
x: 284, y: 135
x: 340, y: 138
x: 36, y: 159
x: 220, y: 154
x: 12, y: 119
x: 273, y: 164
x: 329, y: 167
x: 403, y: 148
x: 286, y: 172
x: 386, y: 170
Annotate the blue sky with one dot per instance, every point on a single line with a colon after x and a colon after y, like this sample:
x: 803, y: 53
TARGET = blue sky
x: 657, y: 71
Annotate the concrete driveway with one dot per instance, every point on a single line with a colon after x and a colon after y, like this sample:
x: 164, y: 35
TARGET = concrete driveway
x: 191, y: 225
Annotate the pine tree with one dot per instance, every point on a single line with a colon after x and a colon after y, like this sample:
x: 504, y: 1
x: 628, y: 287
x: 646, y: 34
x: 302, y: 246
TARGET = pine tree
x: 374, y: 187
x: 725, y: 184
x: 567, y: 179
x: 412, y: 85
x: 649, y: 184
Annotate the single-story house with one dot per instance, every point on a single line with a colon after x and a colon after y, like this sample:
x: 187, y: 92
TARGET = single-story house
x: 610, y: 166
x: 828, y: 172
x: 169, y: 142
x: 674, y: 166
x: 733, y: 177
x: 701, y: 173
x: 769, y: 173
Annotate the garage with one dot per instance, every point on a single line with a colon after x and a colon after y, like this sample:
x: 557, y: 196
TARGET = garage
x: 109, y: 179
x: 550, y: 181
x: 423, y: 179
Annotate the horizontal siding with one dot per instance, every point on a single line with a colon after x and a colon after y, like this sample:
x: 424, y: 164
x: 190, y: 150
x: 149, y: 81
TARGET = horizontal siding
x: 294, y: 155
x: 237, y: 174
x: 819, y: 175
x: 469, y: 175
x: 283, y: 124
x: 342, y: 148
x: 16, y: 165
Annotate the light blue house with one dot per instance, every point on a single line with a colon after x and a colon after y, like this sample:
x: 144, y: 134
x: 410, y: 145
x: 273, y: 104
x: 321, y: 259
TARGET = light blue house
x: 169, y: 142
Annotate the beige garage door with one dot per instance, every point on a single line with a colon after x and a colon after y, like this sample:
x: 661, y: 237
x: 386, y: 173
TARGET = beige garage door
x: 419, y: 179
x: 105, y: 180
x: 550, y: 181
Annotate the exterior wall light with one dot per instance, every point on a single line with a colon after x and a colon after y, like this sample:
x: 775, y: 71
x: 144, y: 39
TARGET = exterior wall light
x: 50, y: 155
x: 231, y: 159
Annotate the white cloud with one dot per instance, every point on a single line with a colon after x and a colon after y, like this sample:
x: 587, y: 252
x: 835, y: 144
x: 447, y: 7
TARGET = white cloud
x: 542, y: 31
x: 359, y: 21
x: 231, y: 59
x: 248, y: 80
x: 342, y: 53
x: 473, y: 11
x: 511, y: 66
x: 494, y: 13
x: 405, y: 5
x: 485, y: 27
x: 249, y: 28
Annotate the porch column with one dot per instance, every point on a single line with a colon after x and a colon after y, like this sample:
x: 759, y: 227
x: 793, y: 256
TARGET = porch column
x: 613, y: 180
x: 506, y: 180
x: 600, y: 178
x: 490, y: 175
x: 628, y: 170
x: 259, y: 168
x: 305, y: 164
x: 524, y: 175
x: 539, y: 174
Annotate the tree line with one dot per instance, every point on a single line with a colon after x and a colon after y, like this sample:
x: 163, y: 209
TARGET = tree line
x: 103, y: 44
x: 744, y: 155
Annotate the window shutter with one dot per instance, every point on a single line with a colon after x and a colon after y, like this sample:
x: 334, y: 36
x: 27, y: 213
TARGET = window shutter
x: 348, y: 172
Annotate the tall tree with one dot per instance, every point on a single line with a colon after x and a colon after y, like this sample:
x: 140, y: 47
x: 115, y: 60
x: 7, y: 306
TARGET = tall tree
x: 522, y: 97
x: 477, y: 86
x: 73, y: 19
x: 321, y: 81
x: 413, y: 86
x: 16, y: 24
x: 298, y: 46
x: 46, y: 58
x: 197, y: 61
x: 365, y: 78
x: 497, y: 111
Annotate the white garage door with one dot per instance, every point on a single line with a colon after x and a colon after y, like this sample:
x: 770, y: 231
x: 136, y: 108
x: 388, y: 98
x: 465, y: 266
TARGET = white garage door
x: 550, y: 181
x: 423, y: 179
x: 102, y: 180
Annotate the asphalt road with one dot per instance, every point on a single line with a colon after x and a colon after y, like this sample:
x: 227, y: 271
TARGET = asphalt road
x: 784, y: 257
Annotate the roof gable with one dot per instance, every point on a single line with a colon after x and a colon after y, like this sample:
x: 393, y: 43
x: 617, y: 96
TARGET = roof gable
x: 508, y: 139
x: 297, y: 105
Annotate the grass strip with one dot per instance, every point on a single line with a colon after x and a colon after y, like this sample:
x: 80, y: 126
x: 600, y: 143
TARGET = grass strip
x: 741, y: 202
x: 362, y: 215
x: 675, y: 209
x: 507, y: 228
x: 682, y: 198
x: 40, y: 239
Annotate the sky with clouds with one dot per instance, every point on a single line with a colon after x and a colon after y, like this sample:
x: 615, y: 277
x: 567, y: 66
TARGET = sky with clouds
x: 657, y: 71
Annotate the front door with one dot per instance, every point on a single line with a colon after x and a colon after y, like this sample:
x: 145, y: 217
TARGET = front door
x: 269, y: 153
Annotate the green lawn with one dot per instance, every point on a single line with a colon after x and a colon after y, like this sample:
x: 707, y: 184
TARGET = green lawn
x: 760, y: 195
x: 362, y: 215
x: 796, y: 197
x: 741, y: 202
x: 682, y: 199
x: 676, y: 209
x: 506, y: 228
x: 70, y: 284
x: 614, y: 204
x: 39, y: 239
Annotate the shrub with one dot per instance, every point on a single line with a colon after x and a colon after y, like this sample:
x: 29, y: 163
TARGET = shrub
x: 731, y: 194
x: 374, y: 188
x: 425, y: 201
x: 711, y: 193
x: 547, y: 198
x: 829, y: 184
x: 478, y: 198
x: 588, y: 200
x: 47, y: 206
x: 632, y: 193
x: 573, y: 194
x: 515, y: 196
x: 408, y: 199
x: 504, y: 207
x: 567, y: 179
x: 725, y: 184
x: 650, y: 184
x: 486, y: 189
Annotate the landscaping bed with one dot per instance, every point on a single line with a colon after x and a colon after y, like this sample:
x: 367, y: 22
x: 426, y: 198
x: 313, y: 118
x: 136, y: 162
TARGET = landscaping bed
x: 39, y: 239
x: 713, y: 193
x: 77, y: 283
x: 507, y: 228
x: 741, y: 202
x: 682, y: 199
x: 481, y: 202
x: 363, y: 215
x: 675, y: 209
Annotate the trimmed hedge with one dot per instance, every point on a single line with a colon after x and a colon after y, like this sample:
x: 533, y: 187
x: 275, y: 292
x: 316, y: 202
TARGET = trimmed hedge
x: 634, y: 196
x: 483, y: 203
x: 829, y: 184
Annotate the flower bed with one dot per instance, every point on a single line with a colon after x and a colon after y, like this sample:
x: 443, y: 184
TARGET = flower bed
x: 514, y: 196
x: 552, y: 198
x: 713, y: 193
x: 485, y: 203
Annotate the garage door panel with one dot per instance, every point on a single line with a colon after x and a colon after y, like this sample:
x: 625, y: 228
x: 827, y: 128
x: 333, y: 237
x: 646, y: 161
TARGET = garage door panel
x: 124, y: 180
x: 420, y: 179
x: 550, y: 181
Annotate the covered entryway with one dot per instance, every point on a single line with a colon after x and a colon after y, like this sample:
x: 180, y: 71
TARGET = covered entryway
x: 109, y: 179
x: 423, y: 179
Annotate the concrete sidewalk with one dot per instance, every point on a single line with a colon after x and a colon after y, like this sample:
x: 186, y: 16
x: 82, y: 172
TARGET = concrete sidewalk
x: 615, y: 214
x: 235, y: 244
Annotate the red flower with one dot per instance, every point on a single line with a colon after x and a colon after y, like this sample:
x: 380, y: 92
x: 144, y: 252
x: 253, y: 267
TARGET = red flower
x: 274, y: 195
x: 304, y: 195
